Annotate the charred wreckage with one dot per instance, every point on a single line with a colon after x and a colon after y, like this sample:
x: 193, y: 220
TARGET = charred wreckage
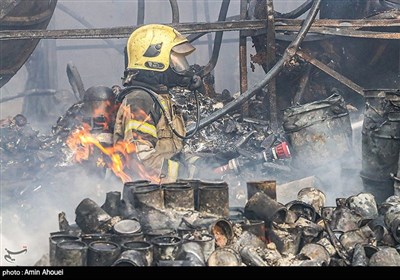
x: 297, y: 120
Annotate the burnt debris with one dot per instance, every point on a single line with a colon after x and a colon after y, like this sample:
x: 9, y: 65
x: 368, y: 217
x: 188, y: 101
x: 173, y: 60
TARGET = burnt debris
x: 264, y: 233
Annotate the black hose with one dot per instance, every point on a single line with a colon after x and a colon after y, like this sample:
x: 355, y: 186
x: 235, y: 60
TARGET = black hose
x: 288, y: 54
x: 175, y: 11
x: 217, y: 41
x: 298, y: 11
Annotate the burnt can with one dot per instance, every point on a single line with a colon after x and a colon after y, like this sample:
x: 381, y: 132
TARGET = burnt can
x: 90, y: 217
x: 343, y: 220
x: 206, y: 242
x: 316, y: 252
x: 127, y: 230
x: 363, y: 204
x: 91, y: 237
x: 102, y: 253
x: 314, y: 197
x: 250, y: 256
x: 302, y: 209
x: 53, y: 240
x: 112, y: 203
x: 151, y: 234
x: 213, y: 198
x: 127, y: 195
x: 145, y: 248
x: 192, y: 253
x: 130, y: 258
x: 148, y: 196
x: 71, y: 253
x: 380, y: 141
x: 261, y: 207
x: 226, y: 256
x: 268, y: 187
x: 362, y: 235
x: 256, y: 227
x: 287, y: 240
x: 195, y: 184
x: 178, y: 196
x: 385, y: 257
x: 222, y: 230
x: 166, y: 247
x: 319, y: 132
x: 392, y: 221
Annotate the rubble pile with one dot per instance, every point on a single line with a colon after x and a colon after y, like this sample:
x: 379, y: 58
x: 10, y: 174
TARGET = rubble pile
x: 147, y: 228
x: 232, y: 136
x: 24, y: 151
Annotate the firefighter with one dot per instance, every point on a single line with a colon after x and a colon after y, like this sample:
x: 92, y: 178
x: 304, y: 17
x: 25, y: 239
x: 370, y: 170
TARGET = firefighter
x: 147, y: 116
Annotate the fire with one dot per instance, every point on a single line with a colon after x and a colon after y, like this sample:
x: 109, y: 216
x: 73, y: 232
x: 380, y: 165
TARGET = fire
x: 82, y: 143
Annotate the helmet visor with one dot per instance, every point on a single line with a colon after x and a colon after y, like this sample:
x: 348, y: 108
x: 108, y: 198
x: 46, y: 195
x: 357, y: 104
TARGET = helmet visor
x: 178, y: 62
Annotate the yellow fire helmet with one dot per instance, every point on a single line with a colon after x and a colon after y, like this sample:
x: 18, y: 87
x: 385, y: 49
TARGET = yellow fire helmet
x: 149, y: 47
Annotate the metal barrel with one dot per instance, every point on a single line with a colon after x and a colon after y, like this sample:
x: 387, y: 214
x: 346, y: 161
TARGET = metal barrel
x: 91, y: 237
x: 56, y: 238
x: 302, y: 209
x: 166, y: 247
x: 206, y: 242
x: 178, y: 196
x: 71, y: 253
x: 214, y: 198
x: 222, y: 230
x: 130, y: 258
x: 112, y: 203
x: 150, y: 235
x: 127, y: 230
x: 145, y: 248
x: 90, y: 217
x: 256, y: 227
x: 224, y: 257
x: 380, y: 141
x: 148, y: 196
x: 195, y: 184
x: 319, y: 132
x: 127, y: 190
x: 261, y: 207
x: 392, y: 221
x: 102, y: 253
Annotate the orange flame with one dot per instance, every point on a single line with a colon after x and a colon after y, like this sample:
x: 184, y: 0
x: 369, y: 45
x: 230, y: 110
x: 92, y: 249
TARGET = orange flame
x: 82, y: 143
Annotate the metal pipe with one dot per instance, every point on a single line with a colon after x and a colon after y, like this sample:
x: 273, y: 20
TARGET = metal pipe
x: 126, y: 31
x: 287, y: 55
x: 255, y: 26
x: 217, y: 41
x: 243, y: 58
x: 193, y: 37
x: 140, y: 12
x: 271, y: 58
x: 207, y: 16
x: 175, y: 11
